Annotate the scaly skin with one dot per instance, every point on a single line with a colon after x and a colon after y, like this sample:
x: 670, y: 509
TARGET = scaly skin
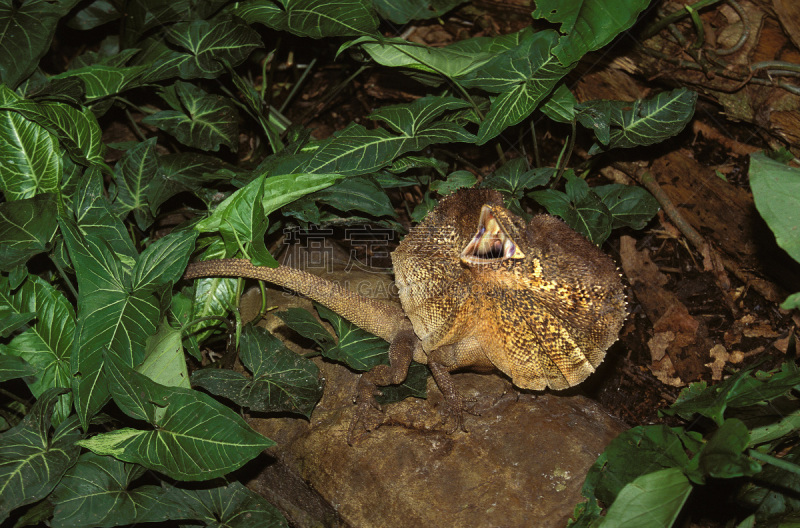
x: 480, y: 289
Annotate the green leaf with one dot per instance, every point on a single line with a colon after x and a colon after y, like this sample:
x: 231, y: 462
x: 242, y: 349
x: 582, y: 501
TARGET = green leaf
x: 188, y: 171
x: 305, y: 324
x: 588, y: 24
x: 98, y: 492
x: 193, y: 437
x: 723, y: 455
x: 201, y: 120
x: 211, y: 44
x: 653, y: 499
x: 95, y: 217
x: 104, y: 80
x: 513, y: 178
x: 143, y: 16
x: 47, y: 344
x: 26, y: 229
x: 13, y: 367
x: 109, y: 315
x: 312, y: 18
x: 79, y: 133
x: 455, y: 180
x: 356, y: 150
x: 414, y: 386
x: 453, y: 61
x: 282, y: 381
x: 11, y: 319
x: 405, y: 163
x: 740, y: 390
x: 522, y: 76
x: 30, y: 155
x: 404, y: 12
x: 132, y: 175
x: 775, y: 493
x: 212, y: 297
x: 588, y: 214
x: 277, y: 191
x: 411, y: 118
x: 32, y: 460
x: 77, y: 130
x: 164, y: 361
x: 360, y: 193
x: 425, y: 206
x: 557, y: 203
x: 26, y: 31
x: 580, y: 207
x: 233, y: 505
x: 560, y: 105
x: 636, y: 452
x: 357, y: 348
x: 641, y: 122
x: 95, y: 14
x: 792, y: 302
x: 775, y: 426
x: 776, y: 191
x: 242, y: 222
x: 629, y: 206
x: 118, y: 307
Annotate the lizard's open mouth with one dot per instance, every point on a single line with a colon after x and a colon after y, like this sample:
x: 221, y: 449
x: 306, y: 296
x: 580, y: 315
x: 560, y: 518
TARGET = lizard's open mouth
x: 491, y: 243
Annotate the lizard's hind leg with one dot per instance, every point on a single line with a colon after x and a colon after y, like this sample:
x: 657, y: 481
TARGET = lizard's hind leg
x: 455, y: 404
x: 400, y: 353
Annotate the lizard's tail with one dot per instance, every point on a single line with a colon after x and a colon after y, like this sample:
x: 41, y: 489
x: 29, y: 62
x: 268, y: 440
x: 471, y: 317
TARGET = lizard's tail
x: 383, y: 319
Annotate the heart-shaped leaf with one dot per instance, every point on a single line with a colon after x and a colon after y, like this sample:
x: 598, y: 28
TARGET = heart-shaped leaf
x: 281, y: 381
x: 205, y: 438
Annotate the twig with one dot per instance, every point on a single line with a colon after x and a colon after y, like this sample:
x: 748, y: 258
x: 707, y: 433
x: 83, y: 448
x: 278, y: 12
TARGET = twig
x: 674, y: 17
x: 712, y: 260
x: 650, y: 183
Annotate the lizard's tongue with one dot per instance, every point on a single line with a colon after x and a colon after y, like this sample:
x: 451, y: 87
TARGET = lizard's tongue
x: 490, y: 243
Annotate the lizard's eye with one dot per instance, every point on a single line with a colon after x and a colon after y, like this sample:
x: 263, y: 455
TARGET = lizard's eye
x: 491, y: 242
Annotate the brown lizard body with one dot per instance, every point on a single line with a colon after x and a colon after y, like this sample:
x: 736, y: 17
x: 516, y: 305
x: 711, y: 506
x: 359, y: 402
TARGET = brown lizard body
x: 479, y: 289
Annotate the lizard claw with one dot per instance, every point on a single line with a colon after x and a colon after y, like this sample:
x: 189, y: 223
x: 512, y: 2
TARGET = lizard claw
x: 455, y: 407
x: 368, y: 412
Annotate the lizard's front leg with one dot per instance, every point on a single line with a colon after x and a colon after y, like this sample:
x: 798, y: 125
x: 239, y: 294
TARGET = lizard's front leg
x: 401, y: 352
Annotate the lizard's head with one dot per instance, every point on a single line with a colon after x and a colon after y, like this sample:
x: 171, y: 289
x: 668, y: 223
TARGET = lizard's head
x: 535, y: 299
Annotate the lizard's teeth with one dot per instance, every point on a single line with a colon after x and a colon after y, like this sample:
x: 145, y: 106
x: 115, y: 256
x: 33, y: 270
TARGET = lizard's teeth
x: 509, y: 248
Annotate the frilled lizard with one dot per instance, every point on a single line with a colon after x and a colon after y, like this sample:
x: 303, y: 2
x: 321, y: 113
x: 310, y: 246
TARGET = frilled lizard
x: 480, y: 289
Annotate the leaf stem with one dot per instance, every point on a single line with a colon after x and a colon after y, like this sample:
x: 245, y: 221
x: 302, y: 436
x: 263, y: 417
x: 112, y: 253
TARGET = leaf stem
x: 566, y: 153
x: 698, y: 27
x: 63, y: 274
x: 500, y: 153
x: 660, y: 24
x: 774, y: 461
x: 136, y: 129
x: 210, y: 318
x: 440, y: 72
x: 297, y: 85
x: 536, y: 156
x: 16, y: 398
x: 308, y: 115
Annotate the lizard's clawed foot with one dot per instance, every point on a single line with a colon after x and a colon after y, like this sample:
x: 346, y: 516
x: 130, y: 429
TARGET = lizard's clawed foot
x: 368, y: 413
x: 455, y: 407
